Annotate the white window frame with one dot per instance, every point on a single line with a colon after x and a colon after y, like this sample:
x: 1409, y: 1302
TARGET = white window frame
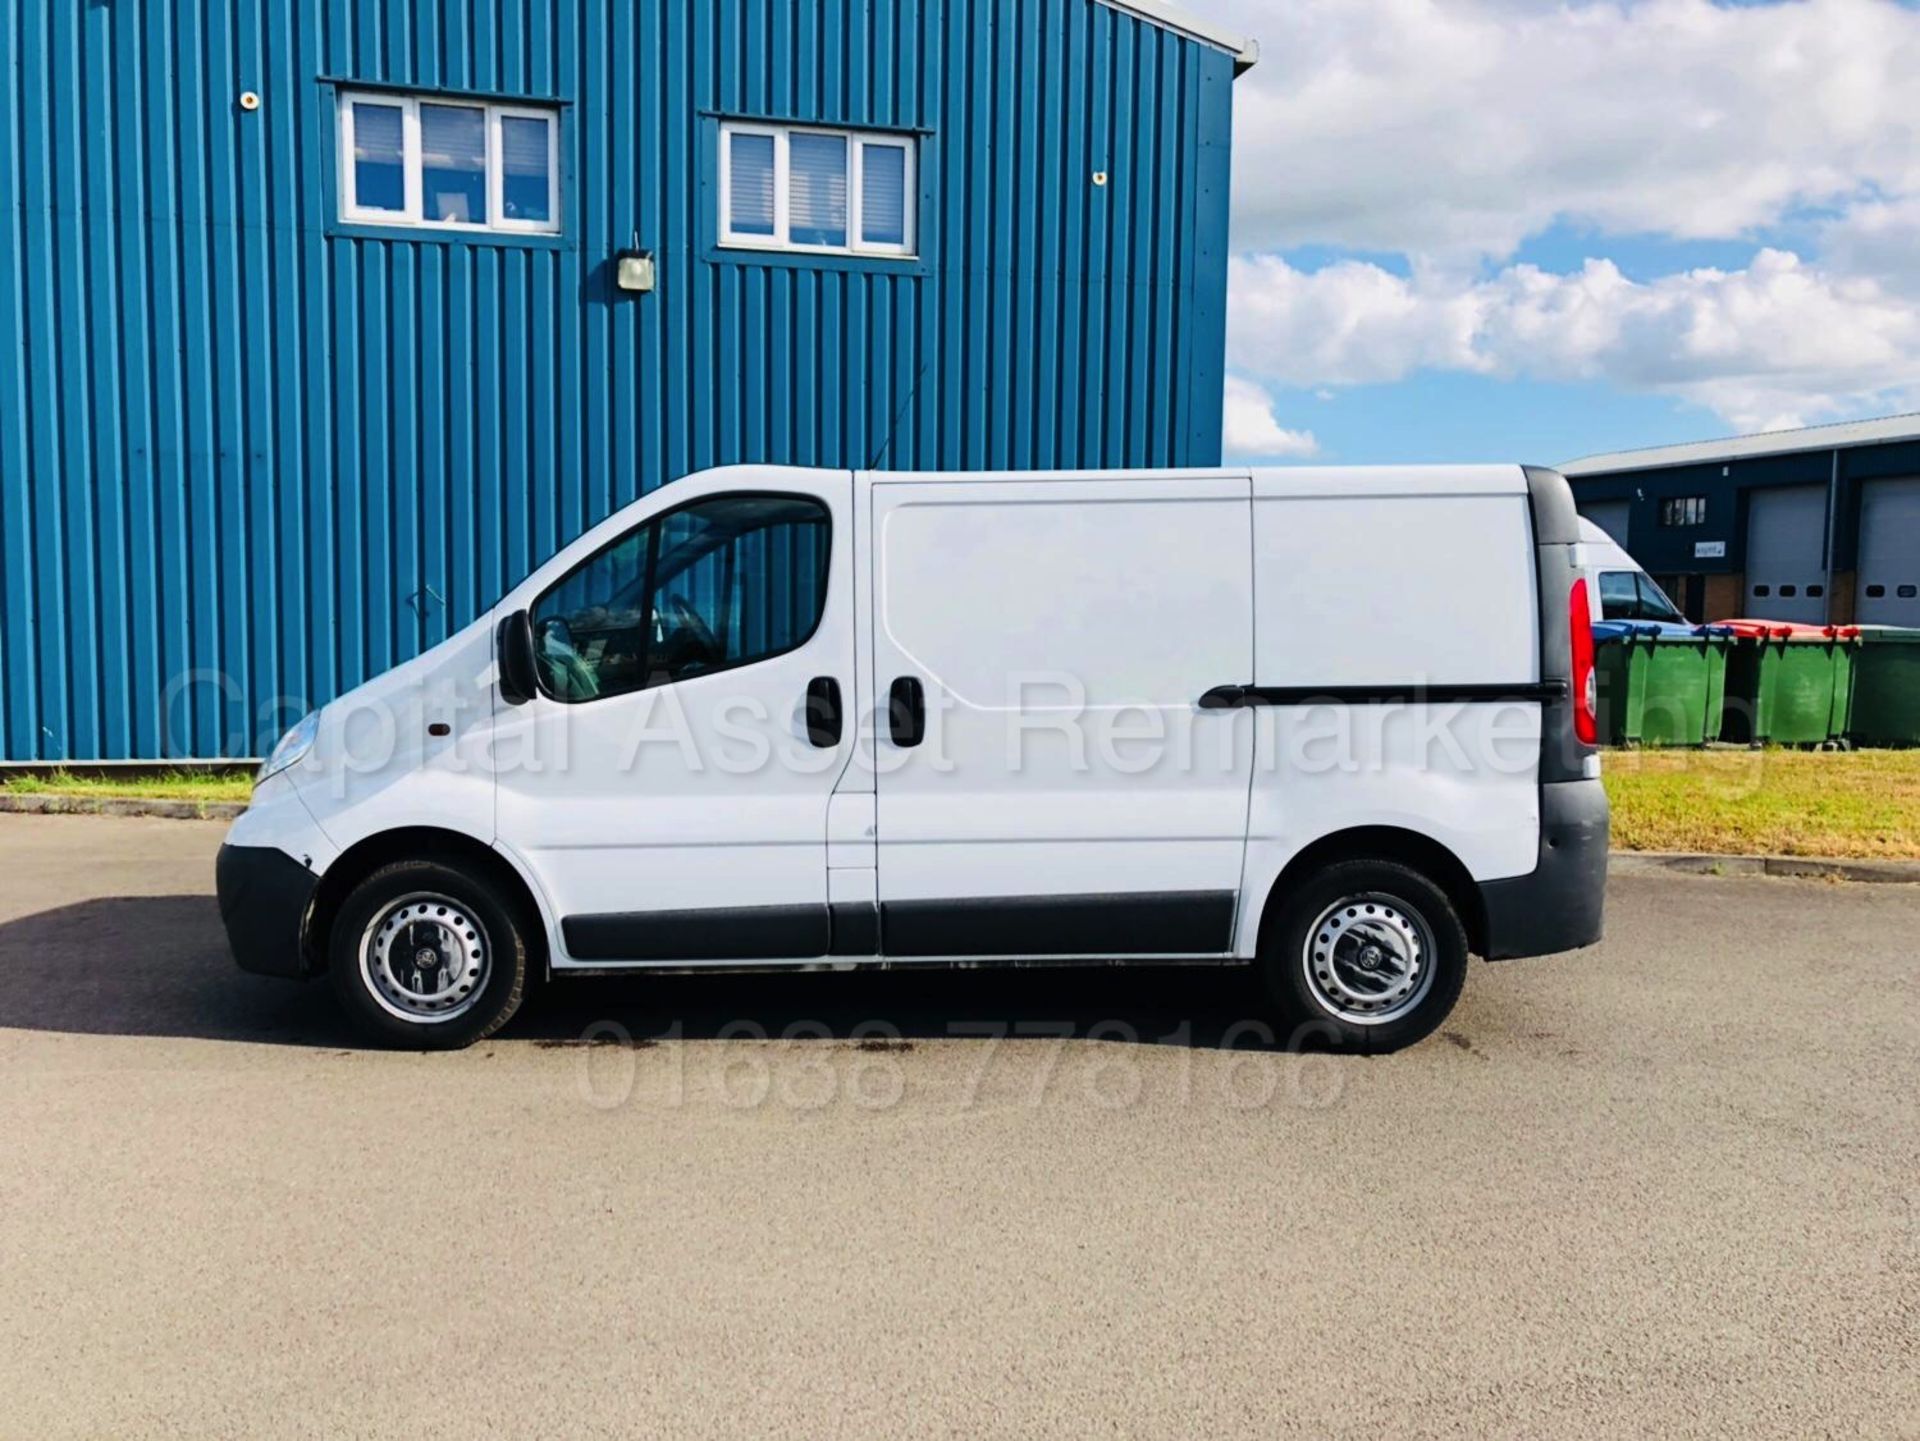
x: 751, y: 240
x: 412, y: 216
x: 857, y: 142
x: 497, y: 169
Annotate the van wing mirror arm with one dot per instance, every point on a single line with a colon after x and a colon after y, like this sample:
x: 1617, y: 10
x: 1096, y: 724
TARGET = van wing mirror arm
x: 513, y: 649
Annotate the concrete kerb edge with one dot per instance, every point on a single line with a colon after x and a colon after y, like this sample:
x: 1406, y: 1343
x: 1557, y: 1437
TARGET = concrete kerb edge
x: 1641, y: 863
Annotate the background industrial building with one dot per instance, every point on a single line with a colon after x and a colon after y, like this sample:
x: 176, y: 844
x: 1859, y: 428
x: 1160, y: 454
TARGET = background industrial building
x: 327, y: 321
x: 1819, y: 525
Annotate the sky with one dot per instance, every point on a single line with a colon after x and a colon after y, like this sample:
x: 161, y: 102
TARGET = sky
x: 1521, y: 230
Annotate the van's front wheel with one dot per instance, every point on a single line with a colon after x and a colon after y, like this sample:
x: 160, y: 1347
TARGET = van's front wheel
x: 1365, y: 955
x: 424, y: 956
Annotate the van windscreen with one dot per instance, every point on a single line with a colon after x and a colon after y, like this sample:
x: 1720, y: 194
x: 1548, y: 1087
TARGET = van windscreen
x: 1632, y: 595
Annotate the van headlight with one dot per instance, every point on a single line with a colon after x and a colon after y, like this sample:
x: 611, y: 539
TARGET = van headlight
x: 291, y: 747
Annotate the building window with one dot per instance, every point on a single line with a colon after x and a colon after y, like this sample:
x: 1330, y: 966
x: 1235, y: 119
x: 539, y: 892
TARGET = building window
x: 1677, y: 510
x: 828, y: 192
x: 449, y: 164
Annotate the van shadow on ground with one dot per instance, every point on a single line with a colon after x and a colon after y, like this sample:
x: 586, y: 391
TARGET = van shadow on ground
x: 158, y: 966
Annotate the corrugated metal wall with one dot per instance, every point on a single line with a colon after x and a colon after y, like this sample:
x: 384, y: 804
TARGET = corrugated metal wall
x: 251, y: 457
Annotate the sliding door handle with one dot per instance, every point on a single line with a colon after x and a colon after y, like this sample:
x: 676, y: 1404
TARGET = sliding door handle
x: 907, y: 712
x: 1224, y: 697
x: 823, y: 712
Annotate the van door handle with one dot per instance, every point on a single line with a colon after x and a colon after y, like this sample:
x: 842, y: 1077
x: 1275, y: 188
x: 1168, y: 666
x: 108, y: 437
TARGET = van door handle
x: 823, y: 712
x: 907, y: 712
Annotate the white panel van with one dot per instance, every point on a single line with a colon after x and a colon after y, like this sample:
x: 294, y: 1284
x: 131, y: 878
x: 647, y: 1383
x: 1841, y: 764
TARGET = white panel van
x: 1618, y: 589
x: 1332, y: 724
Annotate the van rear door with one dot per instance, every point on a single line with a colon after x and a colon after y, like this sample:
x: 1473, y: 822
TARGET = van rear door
x: 1047, y: 784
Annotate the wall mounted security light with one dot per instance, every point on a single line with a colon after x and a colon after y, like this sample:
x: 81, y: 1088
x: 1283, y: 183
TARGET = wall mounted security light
x: 633, y: 271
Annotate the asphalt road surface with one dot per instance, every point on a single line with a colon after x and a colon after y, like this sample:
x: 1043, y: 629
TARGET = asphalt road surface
x: 1667, y: 1186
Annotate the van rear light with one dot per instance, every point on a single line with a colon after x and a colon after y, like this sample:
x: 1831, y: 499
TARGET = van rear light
x: 1586, y: 698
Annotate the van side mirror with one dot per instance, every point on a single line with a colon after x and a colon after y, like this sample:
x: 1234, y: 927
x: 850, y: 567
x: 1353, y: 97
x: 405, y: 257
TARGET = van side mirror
x: 513, y: 647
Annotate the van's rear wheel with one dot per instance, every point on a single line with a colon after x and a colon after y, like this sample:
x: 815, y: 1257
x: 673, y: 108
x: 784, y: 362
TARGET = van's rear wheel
x: 1367, y: 955
x: 423, y: 955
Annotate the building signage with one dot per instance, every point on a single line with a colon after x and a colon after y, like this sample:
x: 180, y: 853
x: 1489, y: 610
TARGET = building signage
x: 1709, y: 550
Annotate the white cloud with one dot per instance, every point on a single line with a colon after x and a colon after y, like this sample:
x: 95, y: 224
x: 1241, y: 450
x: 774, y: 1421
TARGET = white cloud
x: 1778, y: 343
x: 1253, y: 432
x: 1880, y: 239
x: 1449, y: 131
x: 1455, y: 128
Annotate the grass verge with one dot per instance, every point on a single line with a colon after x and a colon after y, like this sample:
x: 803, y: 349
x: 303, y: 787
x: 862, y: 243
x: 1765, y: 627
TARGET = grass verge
x: 1858, y: 805
x: 170, y: 785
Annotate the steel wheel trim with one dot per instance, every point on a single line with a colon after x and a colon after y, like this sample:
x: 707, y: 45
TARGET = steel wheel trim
x: 1368, y: 959
x: 425, y: 958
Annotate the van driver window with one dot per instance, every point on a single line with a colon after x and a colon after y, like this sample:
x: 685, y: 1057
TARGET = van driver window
x: 1619, y: 595
x: 715, y: 584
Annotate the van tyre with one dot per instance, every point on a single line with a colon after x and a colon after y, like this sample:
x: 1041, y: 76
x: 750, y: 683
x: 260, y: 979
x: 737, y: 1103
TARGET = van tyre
x: 425, y: 954
x: 1365, y: 956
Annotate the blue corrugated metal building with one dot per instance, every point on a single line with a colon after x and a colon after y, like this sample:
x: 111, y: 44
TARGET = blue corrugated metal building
x: 326, y: 320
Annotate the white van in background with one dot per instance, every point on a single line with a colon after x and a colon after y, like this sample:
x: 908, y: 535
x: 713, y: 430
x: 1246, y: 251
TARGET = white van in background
x: 1333, y: 724
x: 1620, y: 589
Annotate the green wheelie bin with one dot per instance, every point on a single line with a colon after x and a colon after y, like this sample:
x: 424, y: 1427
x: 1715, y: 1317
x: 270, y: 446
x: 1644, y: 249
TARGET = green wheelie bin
x: 1789, y: 685
x: 1886, y: 687
x: 1659, y: 684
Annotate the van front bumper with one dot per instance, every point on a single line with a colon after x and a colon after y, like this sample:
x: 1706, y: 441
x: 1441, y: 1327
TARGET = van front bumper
x: 1561, y: 905
x: 264, y: 895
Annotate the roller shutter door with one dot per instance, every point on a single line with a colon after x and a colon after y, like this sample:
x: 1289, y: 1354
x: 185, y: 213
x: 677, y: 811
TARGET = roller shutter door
x: 1889, y: 571
x: 1786, y: 534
